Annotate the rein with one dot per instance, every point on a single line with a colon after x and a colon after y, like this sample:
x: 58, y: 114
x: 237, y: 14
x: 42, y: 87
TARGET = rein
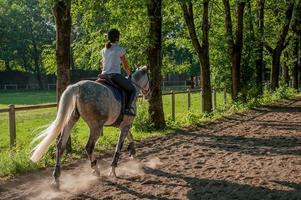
x: 145, y: 92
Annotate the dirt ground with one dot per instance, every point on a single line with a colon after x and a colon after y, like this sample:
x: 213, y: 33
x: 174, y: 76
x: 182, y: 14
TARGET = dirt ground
x: 253, y: 155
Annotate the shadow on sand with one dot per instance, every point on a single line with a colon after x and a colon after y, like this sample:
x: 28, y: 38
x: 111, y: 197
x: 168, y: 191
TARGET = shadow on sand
x: 213, y: 189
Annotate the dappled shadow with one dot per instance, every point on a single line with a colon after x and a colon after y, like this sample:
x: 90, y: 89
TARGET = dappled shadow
x: 158, y: 148
x: 133, y: 192
x: 272, y: 145
x: 278, y: 145
x: 220, y: 189
x: 291, y: 109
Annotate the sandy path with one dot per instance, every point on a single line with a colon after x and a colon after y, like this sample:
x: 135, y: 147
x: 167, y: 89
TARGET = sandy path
x: 254, y: 155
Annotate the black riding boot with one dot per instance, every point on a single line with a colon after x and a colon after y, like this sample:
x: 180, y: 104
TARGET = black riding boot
x: 131, y: 107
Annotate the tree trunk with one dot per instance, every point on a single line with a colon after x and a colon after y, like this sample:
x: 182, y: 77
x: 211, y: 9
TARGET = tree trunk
x: 234, y: 47
x: 37, y: 64
x: 155, y: 62
x: 259, y: 46
x: 295, y: 72
x: 26, y: 65
x: 205, y: 64
x: 296, y: 27
x: 285, y: 70
x: 235, y: 74
x: 72, y: 59
x: 299, y: 60
x: 7, y: 66
x: 281, y: 45
x: 202, y: 50
x: 192, y: 82
x: 275, y: 70
x: 62, y: 15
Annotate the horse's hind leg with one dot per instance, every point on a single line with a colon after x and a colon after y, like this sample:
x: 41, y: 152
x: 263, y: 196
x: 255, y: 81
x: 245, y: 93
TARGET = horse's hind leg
x: 131, y: 146
x: 95, y: 131
x: 61, y: 146
x: 124, y: 130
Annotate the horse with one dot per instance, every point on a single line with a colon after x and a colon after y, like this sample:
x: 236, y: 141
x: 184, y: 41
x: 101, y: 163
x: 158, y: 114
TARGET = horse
x: 97, y: 104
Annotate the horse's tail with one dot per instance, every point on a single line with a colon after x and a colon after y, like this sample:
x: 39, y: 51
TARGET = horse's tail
x: 66, y: 107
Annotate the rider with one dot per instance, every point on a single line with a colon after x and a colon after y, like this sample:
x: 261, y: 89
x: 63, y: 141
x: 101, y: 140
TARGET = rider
x: 112, y: 55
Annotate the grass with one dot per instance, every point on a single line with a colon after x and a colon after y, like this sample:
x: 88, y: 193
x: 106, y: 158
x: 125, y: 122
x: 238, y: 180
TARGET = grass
x: 26, y: 97
x: 16, y: 161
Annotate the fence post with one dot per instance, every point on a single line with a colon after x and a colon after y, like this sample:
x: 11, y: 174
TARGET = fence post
x: 201, y: 100
x: 173, y: 105
x: 214, y: 98
x: 12, y: 125
x: 188, y: 100
x: 225, y: 96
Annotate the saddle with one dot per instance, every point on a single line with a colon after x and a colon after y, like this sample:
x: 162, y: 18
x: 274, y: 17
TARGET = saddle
x: 118, y: 92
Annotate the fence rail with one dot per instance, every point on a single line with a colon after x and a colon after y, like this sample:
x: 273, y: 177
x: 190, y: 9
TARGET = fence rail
x: 12, y: 109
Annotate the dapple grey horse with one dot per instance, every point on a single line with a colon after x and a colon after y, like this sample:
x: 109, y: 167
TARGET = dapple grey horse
x: 98, y: 106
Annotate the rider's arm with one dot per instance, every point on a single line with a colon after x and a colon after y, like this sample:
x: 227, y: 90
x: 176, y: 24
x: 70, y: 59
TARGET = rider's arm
x: 125, y: 65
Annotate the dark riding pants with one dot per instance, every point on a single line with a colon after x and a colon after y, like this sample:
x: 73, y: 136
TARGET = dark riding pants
x: 125, y: 84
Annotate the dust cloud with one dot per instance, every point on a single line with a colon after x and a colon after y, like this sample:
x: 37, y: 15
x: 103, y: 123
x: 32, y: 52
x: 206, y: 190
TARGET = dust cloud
x: 153, y: 162
x: 71, y: 182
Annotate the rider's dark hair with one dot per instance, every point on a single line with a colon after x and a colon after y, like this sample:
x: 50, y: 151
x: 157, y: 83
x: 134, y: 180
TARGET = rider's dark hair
x: 112, y: 36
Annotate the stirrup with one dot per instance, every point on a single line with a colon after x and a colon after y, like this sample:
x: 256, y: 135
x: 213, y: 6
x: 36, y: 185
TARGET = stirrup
x: 130, y: 111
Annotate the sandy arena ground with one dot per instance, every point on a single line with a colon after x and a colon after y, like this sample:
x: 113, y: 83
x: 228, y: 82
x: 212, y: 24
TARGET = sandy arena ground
x: 253, y: 155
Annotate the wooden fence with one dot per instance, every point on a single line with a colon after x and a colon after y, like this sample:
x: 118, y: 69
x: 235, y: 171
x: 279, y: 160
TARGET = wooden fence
x: 12, y: 109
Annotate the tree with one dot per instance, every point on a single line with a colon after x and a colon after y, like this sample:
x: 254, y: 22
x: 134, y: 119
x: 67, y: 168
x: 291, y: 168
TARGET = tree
x: 280, y: 46
x: 296, y: 27
x: 34, y: 23
x: 202, y: 50
x: 154, y: 56
x: 285, y: 70
x: 259, y: 45
x: 234, y: 45
x: 248, y: 67
x: 61, y: 11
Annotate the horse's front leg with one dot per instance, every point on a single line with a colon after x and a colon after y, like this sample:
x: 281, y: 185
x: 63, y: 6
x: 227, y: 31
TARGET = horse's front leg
x: 124, y: 129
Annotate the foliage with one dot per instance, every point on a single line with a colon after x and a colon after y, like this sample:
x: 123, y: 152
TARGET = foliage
x: 142, y: 121
x: 25, y: 22
x: 24, y: 33
x: 15, y: 161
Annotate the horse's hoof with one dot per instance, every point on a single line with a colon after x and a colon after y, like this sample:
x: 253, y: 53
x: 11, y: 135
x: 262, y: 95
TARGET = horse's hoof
x: 112, y: 172
x: 55, y: 185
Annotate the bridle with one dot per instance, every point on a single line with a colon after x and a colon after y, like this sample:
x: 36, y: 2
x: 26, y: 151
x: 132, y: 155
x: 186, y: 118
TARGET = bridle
x: 144, y: 92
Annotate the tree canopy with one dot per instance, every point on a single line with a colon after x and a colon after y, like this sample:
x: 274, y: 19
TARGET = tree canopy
x: 27, y: 36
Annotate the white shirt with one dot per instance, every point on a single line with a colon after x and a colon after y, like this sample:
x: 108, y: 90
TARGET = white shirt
x: 111, y: 59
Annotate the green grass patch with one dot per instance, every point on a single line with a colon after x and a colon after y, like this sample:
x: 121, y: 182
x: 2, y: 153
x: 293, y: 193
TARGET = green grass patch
x: 24, y: 97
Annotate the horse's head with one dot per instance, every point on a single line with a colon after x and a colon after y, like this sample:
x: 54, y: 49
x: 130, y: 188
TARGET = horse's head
x: 141, y: 80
